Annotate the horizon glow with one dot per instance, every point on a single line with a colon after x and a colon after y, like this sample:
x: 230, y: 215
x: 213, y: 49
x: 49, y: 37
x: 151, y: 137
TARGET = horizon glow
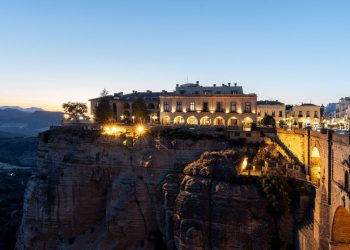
x: 55, y: 52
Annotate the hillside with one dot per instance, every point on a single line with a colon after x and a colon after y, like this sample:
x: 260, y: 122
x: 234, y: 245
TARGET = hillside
x: 27, y: 123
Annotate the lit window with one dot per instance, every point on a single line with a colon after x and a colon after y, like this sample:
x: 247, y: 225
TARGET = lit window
x: 248, y: 107
x: 179, y: 106
x: 166, y: 106
x: 192, y: 106
x: 233, y: 106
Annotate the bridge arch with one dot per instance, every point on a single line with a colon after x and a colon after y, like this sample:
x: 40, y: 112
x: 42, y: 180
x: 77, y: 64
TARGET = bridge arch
x: 315, y: 166
x: 341, y: 228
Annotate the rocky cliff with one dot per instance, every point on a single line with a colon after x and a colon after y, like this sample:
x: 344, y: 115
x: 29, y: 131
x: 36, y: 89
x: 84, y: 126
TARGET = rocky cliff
x: 96, y: 192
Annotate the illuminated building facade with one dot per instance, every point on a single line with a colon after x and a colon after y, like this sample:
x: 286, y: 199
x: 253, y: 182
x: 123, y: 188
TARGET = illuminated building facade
x: 275, y: 109
x: 223, y: 105
x: 305, y: 115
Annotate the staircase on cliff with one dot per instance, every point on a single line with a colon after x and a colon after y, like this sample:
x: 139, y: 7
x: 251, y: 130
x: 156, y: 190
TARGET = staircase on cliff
x: 286, y: 150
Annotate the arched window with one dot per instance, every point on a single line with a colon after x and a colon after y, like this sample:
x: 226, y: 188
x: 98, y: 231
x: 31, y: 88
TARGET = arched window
x: 151, y: 106
x: 126, y: 105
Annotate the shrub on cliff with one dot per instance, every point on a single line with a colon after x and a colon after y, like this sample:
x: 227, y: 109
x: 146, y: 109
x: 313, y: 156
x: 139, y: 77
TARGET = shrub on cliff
x: 103, y: 112
x: 219, y: 165
x: 275, y: 186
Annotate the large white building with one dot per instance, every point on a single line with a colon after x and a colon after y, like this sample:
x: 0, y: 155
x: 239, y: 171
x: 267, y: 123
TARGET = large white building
x: 223, y: 105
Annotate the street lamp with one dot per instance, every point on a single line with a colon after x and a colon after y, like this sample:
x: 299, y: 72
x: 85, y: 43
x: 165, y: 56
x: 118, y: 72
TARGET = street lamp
x: 133, y: 119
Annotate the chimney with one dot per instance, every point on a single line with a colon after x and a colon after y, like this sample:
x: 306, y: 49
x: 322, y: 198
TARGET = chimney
x: 235, y: 84
x: 223, y: 85
x: 177, y: 85
x: 214, y: 85
x: 229, y: 84
x: 197, y: 82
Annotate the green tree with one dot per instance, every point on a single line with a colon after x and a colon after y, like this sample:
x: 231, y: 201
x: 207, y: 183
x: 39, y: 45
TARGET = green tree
x: 103, y: 112
x: 275, y: 186
x: 268, y: 121
x: 140, y: 111
x: 75, y: 110
x: 282, y: 123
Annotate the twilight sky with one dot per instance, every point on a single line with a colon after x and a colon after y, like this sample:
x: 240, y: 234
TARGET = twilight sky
x: 57, y: 51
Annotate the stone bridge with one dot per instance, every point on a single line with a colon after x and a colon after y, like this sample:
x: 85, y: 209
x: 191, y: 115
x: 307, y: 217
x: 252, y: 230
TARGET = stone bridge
x: 326, y: 157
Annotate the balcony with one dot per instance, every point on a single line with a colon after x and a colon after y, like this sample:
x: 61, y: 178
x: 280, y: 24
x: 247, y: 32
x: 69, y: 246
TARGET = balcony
x: 300, y: 115
x: 205, y: 110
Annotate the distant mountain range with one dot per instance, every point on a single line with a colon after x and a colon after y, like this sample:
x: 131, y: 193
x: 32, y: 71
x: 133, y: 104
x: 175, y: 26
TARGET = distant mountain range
x: 28, y: 110
x: 17, y: 121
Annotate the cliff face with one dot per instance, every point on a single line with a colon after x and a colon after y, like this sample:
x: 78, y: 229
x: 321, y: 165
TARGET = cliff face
x: 216, y: 209
x: 95, y: 192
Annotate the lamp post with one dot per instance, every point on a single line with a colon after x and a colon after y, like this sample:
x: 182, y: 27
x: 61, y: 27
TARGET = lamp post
x: 133, y: 119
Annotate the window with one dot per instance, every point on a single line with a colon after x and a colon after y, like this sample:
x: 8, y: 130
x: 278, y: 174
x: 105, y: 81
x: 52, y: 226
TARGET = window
x: 316, y: 114
x: 280, y: 113
x: 192, y: 106
x: 307, y: 113
x: 273, y: 114
x: 205, y: 107
x: 233, y: 106
x: 300, y: 114
x: 248, y: 107
x: 166, y: 106
x: 219, y: 107
x: 126, y: 105
x: 178, y: 106
x: 151, y: 106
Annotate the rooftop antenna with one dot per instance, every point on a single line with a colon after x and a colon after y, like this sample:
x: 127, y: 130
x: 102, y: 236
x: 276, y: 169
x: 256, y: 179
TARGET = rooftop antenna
x: 187, y: 79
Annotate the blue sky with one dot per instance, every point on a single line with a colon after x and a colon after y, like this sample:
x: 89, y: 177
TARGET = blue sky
x: 57, y: 51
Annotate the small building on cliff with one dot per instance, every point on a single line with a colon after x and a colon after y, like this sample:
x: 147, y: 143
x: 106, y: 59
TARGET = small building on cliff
x: 122, y: 104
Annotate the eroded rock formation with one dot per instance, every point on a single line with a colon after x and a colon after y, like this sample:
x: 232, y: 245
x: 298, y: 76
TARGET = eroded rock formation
x: 95, y: 192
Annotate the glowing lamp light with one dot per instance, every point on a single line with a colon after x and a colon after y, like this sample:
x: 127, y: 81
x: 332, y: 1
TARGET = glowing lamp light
x: 244, y: 163
x: 140, y: 129
x: 66, y: 116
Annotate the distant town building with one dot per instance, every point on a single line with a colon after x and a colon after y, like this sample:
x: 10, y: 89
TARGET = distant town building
x: 341, y: 107
x: 275, y: 109
x: 305, y: 115
x: 122, y: 104
x: 223, y: 105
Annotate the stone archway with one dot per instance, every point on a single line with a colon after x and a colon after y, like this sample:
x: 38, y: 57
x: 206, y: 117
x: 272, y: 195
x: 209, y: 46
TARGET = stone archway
x: 205, y: 121
x: 233, y: 121
x: 341, y: 229
x: 247, y: 124
x: 166, y: 120
x: 179, y: 120
x: 192, y: 120
x: 315, y: 166
x: 219, y: 121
